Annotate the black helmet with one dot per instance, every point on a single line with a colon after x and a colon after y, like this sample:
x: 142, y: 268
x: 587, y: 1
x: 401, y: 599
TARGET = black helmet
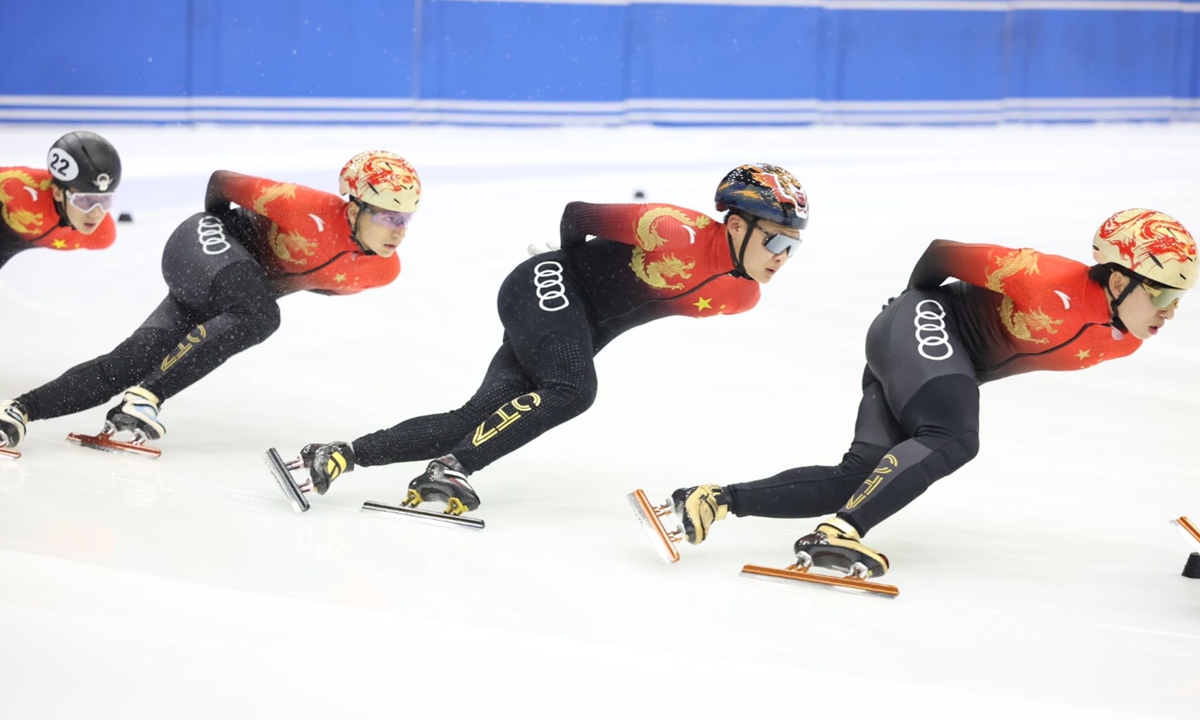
x: 84, y: 162
x: 764, y: 191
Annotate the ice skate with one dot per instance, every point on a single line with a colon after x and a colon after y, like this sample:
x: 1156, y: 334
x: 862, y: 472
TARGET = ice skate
x: 834, y: 545
x: 13, y: 419
x: 137, y: 415
x: 1189, y: 531
x: 654, y: 520
x: 326, y: 463
x: 444, y: 480
x: 282, y: 472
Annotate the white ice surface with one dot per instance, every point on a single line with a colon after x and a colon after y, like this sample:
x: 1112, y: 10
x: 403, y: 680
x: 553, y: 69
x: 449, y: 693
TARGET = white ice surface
x: 1040, y: 581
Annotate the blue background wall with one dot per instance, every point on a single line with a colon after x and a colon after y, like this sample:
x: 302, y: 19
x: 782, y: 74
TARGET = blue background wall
x: 792, y: 61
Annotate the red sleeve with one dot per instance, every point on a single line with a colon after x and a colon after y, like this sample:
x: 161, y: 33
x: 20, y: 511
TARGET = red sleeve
x: 651, y: 227
x: 944, y: 259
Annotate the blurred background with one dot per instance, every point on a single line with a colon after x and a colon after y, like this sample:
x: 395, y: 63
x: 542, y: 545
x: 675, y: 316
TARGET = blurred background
x: 599, y: 62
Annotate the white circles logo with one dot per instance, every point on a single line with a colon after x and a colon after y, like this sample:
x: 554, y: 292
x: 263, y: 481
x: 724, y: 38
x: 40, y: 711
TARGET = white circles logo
x: 212, y: 236
x: 61, y: 165
x: 551, y: 293
x: 931, y: 330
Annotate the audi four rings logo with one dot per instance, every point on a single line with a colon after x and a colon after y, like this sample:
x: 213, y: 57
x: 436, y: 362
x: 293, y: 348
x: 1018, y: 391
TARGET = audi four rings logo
x: 551, y: 293
x: 212, y: 236
x: 930, y: 322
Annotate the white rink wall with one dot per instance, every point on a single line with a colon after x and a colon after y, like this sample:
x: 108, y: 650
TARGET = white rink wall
x: 1040, y: 581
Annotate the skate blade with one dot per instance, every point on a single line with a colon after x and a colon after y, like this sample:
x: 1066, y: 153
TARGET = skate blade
x: 662, y: 539
x: 287, y: 483
x: 795, y: 573
x: 1189, y: 531
x: 104, y: 441
x: 437, y: 518
x: 10, y: 454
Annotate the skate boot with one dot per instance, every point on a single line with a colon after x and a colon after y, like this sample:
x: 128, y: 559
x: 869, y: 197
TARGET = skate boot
x: 13, y: 419
x: 446, y: 480
x: 699, y: 507
x: 836, y: 545
x: 326, y: 463
x: 138, y: 414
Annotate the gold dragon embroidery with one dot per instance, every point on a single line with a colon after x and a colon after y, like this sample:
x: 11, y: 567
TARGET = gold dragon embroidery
x: 656, y: 273
x: 1022, y: 325
x: 25, y: 222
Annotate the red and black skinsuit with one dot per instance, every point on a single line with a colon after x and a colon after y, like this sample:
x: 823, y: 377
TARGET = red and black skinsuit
x: 559, y: 309
x: 1010, y: 312
x: 225, y: 270
x: 33, y: 219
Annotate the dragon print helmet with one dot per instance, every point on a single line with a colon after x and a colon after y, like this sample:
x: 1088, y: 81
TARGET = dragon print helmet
x: 764, y: 191
x: 383, y: 180
x: 1152, y: 244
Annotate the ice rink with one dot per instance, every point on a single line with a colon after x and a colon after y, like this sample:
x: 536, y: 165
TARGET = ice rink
x: 1042, y: 580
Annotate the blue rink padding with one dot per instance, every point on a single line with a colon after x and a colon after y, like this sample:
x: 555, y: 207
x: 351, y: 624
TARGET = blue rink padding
x: 606, y: 62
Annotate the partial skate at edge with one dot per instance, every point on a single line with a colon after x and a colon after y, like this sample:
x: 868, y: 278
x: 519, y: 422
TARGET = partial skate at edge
x: 650, y: 516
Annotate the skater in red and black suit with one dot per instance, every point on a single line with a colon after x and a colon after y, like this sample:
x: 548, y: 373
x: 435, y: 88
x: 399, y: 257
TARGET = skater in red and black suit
x: 226, y: 269
x: 64, y: 207
x: 561, y: 308
x: 1009, y: 312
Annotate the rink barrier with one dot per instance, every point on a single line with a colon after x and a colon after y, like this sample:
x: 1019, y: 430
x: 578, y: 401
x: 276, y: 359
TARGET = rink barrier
x: 663, y: 112
x: 512, y: 62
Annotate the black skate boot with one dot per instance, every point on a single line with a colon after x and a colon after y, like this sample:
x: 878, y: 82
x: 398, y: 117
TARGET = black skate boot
x: 698, y: 508
x: 137, y: 413
x: 326, y: 463
x: 446, y: 480
x: 836, y: 545
x: 13, y: 419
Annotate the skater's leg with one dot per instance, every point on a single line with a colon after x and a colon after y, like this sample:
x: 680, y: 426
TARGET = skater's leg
x: 242, y: 312
x: 819, y: 490
x: 552, y: 340
x: 431, y: 436
x: 943, y: 422
x: 96, y: 381
x: 934, y: 394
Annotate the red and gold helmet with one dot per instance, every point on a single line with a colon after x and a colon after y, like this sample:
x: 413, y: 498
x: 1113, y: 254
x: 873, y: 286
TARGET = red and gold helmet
x: 383, y: 180
x: 1151, y: 244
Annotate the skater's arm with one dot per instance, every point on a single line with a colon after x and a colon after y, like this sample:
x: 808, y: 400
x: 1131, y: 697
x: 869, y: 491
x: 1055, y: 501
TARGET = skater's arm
x: 615, y: 222
x: 225, y: 187
x: 944, y: 259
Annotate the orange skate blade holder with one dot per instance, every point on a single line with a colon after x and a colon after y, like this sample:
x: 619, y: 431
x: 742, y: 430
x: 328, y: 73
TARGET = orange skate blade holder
x: 104, y: 441
x: 797, y: 573
x: 1189, y: 531
x: 651, y: 518
x: 10, y: 454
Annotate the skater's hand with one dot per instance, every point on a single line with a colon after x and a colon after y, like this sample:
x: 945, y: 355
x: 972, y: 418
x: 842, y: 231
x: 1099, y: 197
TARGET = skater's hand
x: 535, y: 250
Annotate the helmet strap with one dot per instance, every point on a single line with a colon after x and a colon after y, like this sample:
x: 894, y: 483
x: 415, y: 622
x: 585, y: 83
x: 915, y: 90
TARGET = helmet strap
x: 60, y: 206
x: 354, y: 227
x: 738, y: 257
x: 1116, y: 320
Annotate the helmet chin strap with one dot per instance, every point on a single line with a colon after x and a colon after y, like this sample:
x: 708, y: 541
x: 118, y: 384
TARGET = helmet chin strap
x: 739, y: 267
x: 354, y: 227
x: 1116, y: 302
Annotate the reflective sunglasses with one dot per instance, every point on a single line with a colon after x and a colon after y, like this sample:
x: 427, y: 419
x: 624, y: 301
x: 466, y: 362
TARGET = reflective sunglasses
x: 390, y: 219
x: 1163, y: 297
x: 86, y: 202
x: 780, y: 243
